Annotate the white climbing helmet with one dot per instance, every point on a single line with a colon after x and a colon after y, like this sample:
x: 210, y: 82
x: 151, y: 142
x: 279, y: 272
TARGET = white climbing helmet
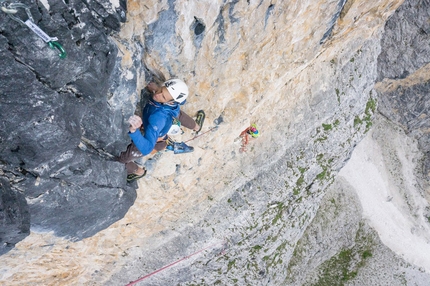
x: 178, y: 89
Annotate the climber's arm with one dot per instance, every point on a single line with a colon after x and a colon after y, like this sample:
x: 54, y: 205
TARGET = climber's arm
x: 145, y: 143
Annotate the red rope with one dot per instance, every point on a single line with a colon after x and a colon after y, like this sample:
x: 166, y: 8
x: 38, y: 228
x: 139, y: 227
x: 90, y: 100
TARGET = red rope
x: 245, y: 139
x: 201, y: 134
x: 171, y: 264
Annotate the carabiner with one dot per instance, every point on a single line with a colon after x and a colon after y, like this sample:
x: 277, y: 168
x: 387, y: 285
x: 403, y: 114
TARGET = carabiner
x: 11, y: 9
x: 57, y: 45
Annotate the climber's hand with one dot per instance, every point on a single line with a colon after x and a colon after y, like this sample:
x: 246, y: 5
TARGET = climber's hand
x: 135, y: 123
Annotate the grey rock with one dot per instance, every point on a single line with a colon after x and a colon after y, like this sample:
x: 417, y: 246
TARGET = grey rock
x: 339, y: 245
x: 59, y: 132
x: 405, y: 49
x: 79, y: 211
x: 405, y: 43
x: 14, y: 217
x: 409, y: 106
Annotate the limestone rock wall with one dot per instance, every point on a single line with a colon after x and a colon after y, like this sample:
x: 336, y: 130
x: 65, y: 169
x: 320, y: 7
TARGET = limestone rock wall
x: 269, y: 79
x: 303, y: 71
x: 384, y: 185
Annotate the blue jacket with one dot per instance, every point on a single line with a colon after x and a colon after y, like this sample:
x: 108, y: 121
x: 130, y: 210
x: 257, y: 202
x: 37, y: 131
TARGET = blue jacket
x: 157, y: 119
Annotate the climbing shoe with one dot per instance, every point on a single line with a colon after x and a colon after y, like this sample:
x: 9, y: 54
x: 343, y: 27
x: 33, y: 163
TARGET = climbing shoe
x: 134, y: 177
x: 200, y: 119
x: 180, y: 147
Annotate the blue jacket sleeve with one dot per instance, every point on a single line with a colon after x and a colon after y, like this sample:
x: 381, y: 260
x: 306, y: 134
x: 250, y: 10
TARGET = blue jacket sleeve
x: 145, y: 143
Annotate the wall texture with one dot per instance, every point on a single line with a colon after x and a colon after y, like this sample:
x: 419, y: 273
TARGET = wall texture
x: 303, y: 71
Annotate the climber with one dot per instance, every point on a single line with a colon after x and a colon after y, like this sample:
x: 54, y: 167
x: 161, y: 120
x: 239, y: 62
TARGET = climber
x: 157, y: 118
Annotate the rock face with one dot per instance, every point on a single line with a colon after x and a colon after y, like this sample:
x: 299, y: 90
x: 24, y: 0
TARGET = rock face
x: 404, y: 75
x: 339, y: 247
x: 15, y: 218
x: 382, y: 194
x: 56, y: 123
x: 404, y: 45
x: 303, y: 71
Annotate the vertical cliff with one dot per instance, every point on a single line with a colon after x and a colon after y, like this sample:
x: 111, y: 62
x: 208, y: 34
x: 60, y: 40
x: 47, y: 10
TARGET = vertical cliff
x: 372, y: 227
x: 303, y: 71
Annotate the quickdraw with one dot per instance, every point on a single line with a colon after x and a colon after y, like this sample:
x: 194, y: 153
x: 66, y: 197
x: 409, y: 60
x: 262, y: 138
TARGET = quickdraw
x: 12, y: 9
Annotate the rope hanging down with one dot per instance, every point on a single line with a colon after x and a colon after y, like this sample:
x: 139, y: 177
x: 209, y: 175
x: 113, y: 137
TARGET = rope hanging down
x: 212, y: 128
x: 177, y: 261
x: 11, y: 10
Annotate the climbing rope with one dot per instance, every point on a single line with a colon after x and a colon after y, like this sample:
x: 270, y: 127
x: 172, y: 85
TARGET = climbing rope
x: 12, y: 8
x: 176, y: 262
x: 210, y: 129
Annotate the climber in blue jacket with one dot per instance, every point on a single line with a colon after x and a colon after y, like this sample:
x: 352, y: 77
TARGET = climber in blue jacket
x: 157, y: 119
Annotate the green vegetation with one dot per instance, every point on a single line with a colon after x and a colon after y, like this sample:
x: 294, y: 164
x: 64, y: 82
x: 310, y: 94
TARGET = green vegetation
x: 368, y: 114
x: 339, y: 269
x: 337, y: 95
x: 344, y: 266
x: 299, y: 183
x: 357, y: 121
x: 370, y: 106
x: 231, y: 264
x: 325, y: 166
x: 366, y: 254
x: 320, y: 139
x: 321, y: 176
x: 302, y: 170
x: 327, y: 127
x: 369, y: 111
x: 336, y: 123
x: 280, y: 210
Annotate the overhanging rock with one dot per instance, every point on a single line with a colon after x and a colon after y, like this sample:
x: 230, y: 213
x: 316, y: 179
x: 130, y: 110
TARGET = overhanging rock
x: 58, y: 132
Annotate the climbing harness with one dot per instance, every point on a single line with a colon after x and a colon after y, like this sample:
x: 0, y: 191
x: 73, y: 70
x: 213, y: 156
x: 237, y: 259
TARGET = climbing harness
x: 12, y: 9
x: 175, y: 129
x: 251, y: 130
x: 177, y: 261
